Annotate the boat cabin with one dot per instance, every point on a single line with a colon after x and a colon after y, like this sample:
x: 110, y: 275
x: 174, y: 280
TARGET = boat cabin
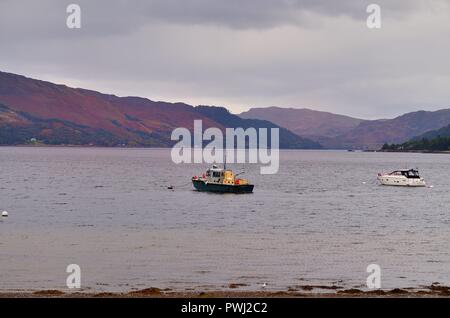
x: 408, y: 173
x: 218, y: 175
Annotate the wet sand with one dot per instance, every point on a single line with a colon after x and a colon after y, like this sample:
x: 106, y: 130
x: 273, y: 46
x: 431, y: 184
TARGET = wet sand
x: 432, y: 291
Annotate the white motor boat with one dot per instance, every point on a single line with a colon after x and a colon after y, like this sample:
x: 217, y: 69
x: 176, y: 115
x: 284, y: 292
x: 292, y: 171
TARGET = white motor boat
x: 403, y: 177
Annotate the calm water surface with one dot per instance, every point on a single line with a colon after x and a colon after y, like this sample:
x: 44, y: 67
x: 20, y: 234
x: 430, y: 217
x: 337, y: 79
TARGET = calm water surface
x: 321, y: 220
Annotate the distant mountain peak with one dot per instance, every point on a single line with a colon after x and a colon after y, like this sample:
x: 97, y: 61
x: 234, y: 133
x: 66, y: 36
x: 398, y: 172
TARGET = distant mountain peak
x: 339, y: 131
x: 305, y: 121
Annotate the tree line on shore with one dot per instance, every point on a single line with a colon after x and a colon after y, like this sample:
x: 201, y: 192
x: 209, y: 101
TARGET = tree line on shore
x: 438, y: 143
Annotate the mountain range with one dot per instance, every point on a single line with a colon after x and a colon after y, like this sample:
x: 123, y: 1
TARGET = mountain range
x: 49, y: 113
x: 56, y: 114
x: 343, y: 132
x: 305, y: 122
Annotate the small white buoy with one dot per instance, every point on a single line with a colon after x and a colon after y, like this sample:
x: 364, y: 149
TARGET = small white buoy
x: 4, y: 213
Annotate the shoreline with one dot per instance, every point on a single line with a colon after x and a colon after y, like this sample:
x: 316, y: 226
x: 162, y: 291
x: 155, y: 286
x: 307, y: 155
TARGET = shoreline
x: 169, y: 147
x: 432, y: 291
x: 414, y: 151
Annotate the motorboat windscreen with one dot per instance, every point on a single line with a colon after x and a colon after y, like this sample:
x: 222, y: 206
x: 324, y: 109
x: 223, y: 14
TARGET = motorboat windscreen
x: 413, y: 174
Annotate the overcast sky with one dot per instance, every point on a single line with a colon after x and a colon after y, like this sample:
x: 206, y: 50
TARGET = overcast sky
x: 240, y: 53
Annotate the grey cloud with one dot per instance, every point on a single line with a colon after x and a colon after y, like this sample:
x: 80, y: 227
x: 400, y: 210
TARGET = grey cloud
x: 102, y: 17
x: 316, y: 54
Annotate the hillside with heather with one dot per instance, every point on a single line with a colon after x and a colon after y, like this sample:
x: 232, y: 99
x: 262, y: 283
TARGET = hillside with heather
x: 59, y: 115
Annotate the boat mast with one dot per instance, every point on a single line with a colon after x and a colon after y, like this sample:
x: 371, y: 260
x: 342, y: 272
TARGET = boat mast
x: 225, y: 161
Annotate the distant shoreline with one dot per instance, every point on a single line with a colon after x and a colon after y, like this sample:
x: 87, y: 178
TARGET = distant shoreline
x: 145, y: 147
x: 169, y: 147
x: 416, y: 151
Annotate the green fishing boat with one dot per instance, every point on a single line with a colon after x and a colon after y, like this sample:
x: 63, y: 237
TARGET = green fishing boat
x: 221, y: 181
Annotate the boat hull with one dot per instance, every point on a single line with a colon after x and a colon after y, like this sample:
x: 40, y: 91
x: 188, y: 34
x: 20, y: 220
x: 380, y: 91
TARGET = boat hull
x: 401, y: 181
x: 203, y: 186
